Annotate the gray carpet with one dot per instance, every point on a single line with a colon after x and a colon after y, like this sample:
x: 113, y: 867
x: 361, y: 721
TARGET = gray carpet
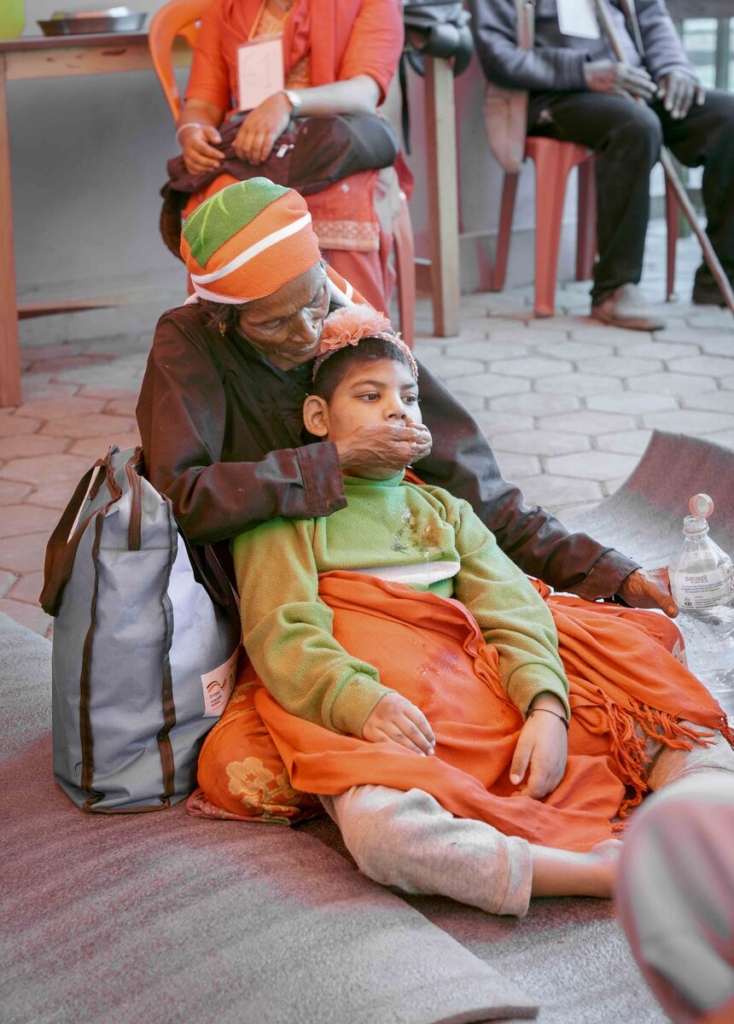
x: 166, y: 918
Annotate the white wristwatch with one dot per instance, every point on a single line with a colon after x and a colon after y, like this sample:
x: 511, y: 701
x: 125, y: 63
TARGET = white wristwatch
x: 295, y: 101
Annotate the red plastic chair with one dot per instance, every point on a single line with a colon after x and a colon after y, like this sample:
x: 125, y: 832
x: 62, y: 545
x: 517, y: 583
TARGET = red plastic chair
x: 553, y: 162
x: 179, y: 19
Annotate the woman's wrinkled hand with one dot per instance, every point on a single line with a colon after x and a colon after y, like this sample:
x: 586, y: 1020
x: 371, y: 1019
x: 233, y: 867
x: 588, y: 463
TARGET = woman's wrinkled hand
x: 395, y: 720
x: 649, y: 588
x: 542, y: 748
x: 262, y: 126
x: 389, y: 446
x: 198, y: 147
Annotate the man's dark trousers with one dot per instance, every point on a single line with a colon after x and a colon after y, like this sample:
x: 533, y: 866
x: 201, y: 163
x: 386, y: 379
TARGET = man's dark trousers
x: 627, y: 137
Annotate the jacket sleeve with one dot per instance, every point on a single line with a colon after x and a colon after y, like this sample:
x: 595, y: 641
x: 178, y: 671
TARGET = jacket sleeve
x: 287, y: 631
x: 182, y: 419
x: 663, y: 47
x: 494, y: 24
x: 462, y: 462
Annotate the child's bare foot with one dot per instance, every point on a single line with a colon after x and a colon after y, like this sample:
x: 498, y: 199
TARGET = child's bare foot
x: 563, y: 873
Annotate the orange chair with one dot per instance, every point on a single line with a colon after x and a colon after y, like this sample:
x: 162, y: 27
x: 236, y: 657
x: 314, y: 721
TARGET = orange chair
x: 179, y: 19
x: 554, y: 161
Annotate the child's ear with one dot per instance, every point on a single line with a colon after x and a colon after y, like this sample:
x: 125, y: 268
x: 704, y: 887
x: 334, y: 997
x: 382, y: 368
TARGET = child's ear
x: 316, y: 416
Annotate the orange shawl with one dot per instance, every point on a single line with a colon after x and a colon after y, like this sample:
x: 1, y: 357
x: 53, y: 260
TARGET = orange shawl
x: 430, y: 649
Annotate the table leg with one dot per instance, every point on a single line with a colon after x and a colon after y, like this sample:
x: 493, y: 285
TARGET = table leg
x: 443, y: 203
x: 9, y: 351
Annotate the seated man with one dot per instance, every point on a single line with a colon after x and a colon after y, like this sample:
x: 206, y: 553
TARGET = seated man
x: 579, y: 93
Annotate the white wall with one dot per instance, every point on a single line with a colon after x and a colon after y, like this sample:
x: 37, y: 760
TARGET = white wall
x: 89, y: 156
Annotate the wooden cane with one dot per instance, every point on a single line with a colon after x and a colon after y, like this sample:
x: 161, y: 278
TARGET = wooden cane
x: 672, y: 176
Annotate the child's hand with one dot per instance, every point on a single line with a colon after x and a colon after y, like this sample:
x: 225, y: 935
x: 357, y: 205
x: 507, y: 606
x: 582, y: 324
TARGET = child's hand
x: 397, y: 720
x: 542, y: 746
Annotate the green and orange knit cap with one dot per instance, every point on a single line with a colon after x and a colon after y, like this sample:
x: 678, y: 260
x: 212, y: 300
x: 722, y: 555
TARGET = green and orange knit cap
x: 247, y: 241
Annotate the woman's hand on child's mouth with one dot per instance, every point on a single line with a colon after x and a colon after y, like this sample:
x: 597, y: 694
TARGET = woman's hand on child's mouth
x: 390, y: 446
x: 395, y: 720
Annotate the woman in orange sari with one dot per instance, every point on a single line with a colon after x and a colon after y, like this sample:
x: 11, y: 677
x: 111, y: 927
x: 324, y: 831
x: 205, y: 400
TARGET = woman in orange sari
x: 339, y: 57
x: 471, y: 734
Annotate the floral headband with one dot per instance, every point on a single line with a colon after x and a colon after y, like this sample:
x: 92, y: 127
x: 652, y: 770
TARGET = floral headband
x: 349, y: 325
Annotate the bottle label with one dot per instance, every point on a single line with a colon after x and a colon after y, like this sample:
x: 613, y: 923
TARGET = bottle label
x: 703, y: 589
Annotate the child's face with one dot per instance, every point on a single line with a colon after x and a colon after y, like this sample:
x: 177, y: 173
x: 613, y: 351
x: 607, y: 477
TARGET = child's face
x: 372, y: 393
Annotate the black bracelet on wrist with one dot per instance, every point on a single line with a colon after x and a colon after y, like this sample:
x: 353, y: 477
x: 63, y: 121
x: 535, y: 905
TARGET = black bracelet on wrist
x: 561, y: 718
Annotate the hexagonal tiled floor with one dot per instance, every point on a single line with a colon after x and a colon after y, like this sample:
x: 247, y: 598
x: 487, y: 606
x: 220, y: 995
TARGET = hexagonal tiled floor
x: 567, y: 404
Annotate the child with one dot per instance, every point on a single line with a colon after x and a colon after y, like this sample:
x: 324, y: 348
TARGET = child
x: 413, y: 676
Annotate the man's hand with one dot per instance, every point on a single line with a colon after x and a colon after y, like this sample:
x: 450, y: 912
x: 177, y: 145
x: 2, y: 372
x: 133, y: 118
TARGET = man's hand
x: 649, y: 588
x: 386, y: 446
x: 542, y: 746
x: 197, y: 144
x: 678, y: 93
x: 261, y: 128
x: 395, y: 720
x: 620, y: 79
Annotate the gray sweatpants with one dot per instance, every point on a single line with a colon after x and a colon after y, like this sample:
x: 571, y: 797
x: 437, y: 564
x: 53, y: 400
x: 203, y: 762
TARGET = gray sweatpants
x: 407, y: 839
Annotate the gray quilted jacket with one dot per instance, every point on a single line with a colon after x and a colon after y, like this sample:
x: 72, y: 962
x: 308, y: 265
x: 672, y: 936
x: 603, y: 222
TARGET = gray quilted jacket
x: 556, y: 62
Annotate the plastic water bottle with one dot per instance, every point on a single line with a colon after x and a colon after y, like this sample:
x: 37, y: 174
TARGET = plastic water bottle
x: 701, y: 574
x: 702, y: 583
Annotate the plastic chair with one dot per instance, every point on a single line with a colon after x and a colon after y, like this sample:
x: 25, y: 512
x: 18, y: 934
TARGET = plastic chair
x: 179, y: 19
x: 554, y: 161
x: 174, y: 20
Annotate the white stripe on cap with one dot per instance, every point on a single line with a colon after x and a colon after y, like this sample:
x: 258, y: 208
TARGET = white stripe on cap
x: 205, y: 293
x: 252, y: 252
x: 342, y: 298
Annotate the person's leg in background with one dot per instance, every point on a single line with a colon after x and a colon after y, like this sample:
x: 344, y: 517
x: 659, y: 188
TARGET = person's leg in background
x: 627, y: 138
x: 706, y: 136
x: 674, y: 895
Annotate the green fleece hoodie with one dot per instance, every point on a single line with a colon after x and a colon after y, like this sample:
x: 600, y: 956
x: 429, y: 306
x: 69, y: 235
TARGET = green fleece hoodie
x: 286, y: 628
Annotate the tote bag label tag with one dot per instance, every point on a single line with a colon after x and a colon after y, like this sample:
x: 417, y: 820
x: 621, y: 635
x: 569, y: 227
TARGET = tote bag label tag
x: 259, y: 71
x: 578, y: 18
x: 218, y: 685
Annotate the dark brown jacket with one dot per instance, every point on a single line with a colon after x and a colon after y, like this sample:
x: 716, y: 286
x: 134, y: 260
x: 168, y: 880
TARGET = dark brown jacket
x: 223, y: 437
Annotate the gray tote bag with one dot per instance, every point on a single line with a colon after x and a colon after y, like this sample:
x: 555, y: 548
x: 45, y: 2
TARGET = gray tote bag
x: 144, y: 655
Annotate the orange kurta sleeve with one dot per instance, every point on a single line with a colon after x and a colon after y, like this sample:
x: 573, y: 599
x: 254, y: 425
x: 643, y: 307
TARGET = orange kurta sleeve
x: 209, y: 79
x: 375, y: 43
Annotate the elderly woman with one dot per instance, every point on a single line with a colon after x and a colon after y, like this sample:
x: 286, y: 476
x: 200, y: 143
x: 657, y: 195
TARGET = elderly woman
x: 220, y: 406
x: 338, y: 58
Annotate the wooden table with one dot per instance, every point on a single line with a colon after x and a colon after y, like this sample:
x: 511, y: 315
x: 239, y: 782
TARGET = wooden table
x: 49, y: 57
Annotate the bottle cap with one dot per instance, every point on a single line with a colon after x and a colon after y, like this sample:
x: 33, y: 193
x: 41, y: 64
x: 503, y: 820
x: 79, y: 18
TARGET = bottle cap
x: 701, y: 505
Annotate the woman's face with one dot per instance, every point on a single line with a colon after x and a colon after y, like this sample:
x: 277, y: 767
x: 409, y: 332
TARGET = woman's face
x: 285, y: 327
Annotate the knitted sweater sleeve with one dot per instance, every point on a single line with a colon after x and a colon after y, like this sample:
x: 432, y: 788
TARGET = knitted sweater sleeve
x: 511, y: 614
x: 287, y: 630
